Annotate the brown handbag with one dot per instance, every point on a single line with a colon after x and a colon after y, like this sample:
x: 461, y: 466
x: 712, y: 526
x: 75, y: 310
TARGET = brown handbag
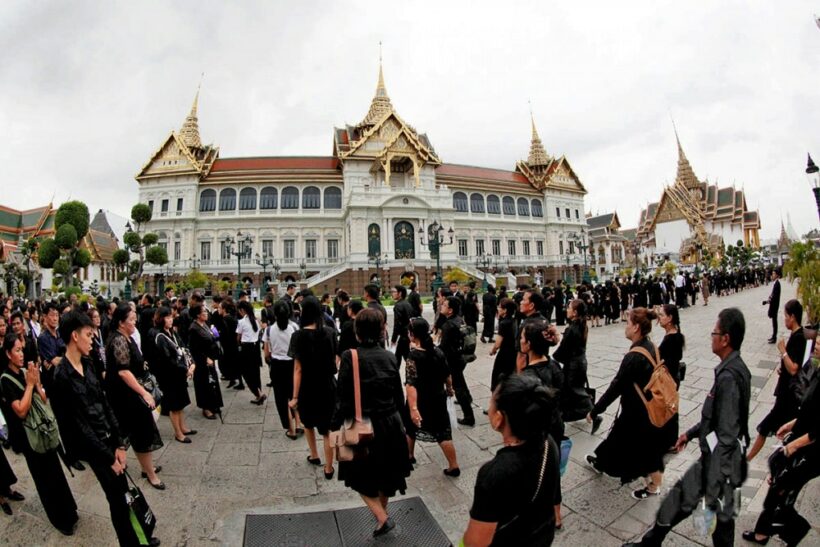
x: 356, y: 432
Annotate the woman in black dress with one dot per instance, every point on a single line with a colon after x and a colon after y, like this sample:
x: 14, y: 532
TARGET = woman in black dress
x: 515, y: 492
x: 428, y: 383
x: 489, y: 304
x: 98, y: 345
x: 313, y: 350
x: 229, y: 361
x: 132, y: 404
x: 205, y: 352
x: 789, y: 388
x: 504, y: 347
x: 671, y: 349
x: 634, y: 447
x: 172, y: 373
x: 19, y: 387
x: 379, y: 474
x: 575, y: 402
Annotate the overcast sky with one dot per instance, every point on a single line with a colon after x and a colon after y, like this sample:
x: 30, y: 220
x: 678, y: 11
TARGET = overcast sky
x: 89, y: 90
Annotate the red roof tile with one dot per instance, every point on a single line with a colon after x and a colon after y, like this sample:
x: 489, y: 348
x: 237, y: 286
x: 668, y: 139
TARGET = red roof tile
x: 272, y: 163
x: 449, y: 169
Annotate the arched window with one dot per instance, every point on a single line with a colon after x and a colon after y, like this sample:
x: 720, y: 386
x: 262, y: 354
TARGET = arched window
x: 290, y: 198
x: 333, y: 198
x: 523, y: 207
x: 509, y: 205
x: 476, y: 203
x: 227, y: 200
x: 493, y: 205
x: 374, y: 242
x: 537, y: 208
x: 460, y: 202
x: 207, y: 201
x: 267, y: 199
x: 311, y: 198
x: 247, y: 199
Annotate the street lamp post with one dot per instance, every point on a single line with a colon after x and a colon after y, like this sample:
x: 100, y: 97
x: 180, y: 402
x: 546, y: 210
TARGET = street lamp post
x: 243, y: 250
x: 377, y: 261
x: 264, y: 261
x: 813, y: 174
x: 435, y: 241
x: 195, y: 263
x: 482, y: 262
x: 303, y: 269
x: 582, y: 244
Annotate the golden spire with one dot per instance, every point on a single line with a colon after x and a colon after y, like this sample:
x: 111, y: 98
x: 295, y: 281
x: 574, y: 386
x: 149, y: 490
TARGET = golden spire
x: 380, y: 106
x: 538, y: 155
x: 686, y: 175
x: 190, y: 129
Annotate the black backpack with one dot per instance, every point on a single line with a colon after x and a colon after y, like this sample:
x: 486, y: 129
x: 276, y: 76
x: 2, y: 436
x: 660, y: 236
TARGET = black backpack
x: 468, y: 342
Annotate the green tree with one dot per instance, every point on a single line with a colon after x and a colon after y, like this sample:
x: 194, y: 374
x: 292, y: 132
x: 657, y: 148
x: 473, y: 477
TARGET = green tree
x: 196, y: 279
x: 28, y: 250
x: 803, y: 265
x: 62, y: 253
x: 140, y: 243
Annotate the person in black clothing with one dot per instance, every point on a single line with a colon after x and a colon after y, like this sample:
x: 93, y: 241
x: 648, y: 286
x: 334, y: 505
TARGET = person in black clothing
x: 721, y: 433
x: 204, y: 352
x: 634, y: 447
x: 515, y: 492
x: 789, y: 388
x: 88, y: 426
x: 98, y: 346
x: 469, y: 309
x: 774, y: 303
x: 145, y: 320
x: 546, y: 294
x: 558, y: 303
x: 402, y: 312
x: 671, y: 350
x: 229, y: 362
x: 504, y: 346
x: 489, y: 304
x: 455, y: 292
x: 30, y: 352
x: 414, y: 299
x: 342, y: 299
x: 451, y: 344
x: 541, y: 366
x: 528, y: 310
x: 371, y: 296
x: 172, y: 373
x: 20, y: 386
x: 380, y: 473
x: 801, y: 453
x: 575, y: 402
x: 347, y: 335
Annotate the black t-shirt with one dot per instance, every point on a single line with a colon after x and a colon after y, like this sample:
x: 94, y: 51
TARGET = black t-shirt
x: 504, y: 490
x: 788, y: 385
x: 12, y: 392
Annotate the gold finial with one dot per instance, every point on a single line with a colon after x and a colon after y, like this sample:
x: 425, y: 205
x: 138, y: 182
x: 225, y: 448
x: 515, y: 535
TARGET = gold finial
x: 190, y: 128
x: 686, y: 175
x: 538, y: 155
x: 380, y: 106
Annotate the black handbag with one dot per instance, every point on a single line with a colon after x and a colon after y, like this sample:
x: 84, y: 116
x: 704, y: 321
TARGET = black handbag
x: 142, y: 517
x: 149, y: 383
x: 590, y: 391
x: 681, y: 372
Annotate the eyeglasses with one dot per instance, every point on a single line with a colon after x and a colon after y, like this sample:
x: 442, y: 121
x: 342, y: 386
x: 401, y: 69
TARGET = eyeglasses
x: 717, y: 334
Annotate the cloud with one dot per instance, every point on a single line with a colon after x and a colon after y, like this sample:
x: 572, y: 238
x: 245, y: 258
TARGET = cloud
x: 88, y: 91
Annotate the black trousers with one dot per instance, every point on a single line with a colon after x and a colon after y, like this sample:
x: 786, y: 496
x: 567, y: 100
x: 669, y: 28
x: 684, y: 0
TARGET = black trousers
x: 52, y: 487
x: 281, y: 376
x: 250, y: 360
x: 779, y: 517
x: 682, y: 500
x: 402, y: 349
x: 774, y: 327
x: 115, y: 487
x: 463, y: 396
x: 489, y: 326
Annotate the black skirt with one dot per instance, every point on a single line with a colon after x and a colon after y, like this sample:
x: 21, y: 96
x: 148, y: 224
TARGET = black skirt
x: 7, y: 476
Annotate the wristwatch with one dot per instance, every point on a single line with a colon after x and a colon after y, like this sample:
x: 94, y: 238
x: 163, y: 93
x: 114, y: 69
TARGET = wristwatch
x: 785, y: 354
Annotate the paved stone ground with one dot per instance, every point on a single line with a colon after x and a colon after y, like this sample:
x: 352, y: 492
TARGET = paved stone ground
x: 247, y: 465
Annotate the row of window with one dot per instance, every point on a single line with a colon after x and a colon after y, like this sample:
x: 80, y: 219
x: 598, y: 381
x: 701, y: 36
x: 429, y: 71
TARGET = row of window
x: 512, y: 247
x: 288, y: 247
x: 164, y: 204
x: 509, y: 206
x: 268, y: 199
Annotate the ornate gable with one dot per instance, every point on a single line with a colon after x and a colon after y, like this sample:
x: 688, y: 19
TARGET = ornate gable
x: 561, y: 176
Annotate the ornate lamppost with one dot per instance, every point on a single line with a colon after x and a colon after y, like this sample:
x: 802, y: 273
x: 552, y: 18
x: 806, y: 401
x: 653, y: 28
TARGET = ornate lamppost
x: 303, y: 269
x: 264, y: 261
x: 377, y: 261
x: 582, y: 245
x: 126, y: 292
x: 483, y: 262
x: 195, y: 263
x: 435, y: 241
x: 812, y: 172
x: 243, y: 250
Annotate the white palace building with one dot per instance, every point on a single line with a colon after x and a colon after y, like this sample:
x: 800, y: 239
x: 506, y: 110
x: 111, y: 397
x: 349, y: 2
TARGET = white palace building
x: 364, y: 211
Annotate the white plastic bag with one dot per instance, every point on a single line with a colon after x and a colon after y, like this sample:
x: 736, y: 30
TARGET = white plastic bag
x: 451, y: 411
x: 4, y: 428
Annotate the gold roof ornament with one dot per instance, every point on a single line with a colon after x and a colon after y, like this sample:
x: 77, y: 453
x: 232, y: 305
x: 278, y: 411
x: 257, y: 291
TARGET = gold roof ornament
x: 381, y: 106
x: 538, y: 155
x: 686, y: 175
x: 190, y: 128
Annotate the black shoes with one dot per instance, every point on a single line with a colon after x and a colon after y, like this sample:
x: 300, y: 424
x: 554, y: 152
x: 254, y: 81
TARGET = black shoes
x: 592, y: 462
x: 388, y: 525
x: 239, y: 387
x: 329, y: 476
x: 78, y: 465
x: 230, y: 384
x: 260, y: 400
x: 314, y: 461
x: 596, y: 424
x: 771, y: 340
x: 469, y: 422
x: 6, y: 508
x: 153, y: 542
x: 183, y: 440
x: 157, y: 469
x: 14, y: 495
x: 750, y: 536
x: 643, y: 493
x: 456, y: 472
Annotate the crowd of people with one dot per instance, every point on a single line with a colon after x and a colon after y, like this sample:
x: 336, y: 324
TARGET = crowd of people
x: 104, y: 370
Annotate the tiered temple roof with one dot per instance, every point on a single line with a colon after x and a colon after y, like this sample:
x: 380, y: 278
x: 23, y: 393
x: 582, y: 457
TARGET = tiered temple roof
x: 17, y: 226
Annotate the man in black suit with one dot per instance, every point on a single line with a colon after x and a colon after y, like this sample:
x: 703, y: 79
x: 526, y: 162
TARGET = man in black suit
x: 774, y: 303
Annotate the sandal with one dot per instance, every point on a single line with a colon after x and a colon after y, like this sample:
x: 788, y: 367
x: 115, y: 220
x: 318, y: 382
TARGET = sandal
x: 314, y: 461
x: 291, y: 436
